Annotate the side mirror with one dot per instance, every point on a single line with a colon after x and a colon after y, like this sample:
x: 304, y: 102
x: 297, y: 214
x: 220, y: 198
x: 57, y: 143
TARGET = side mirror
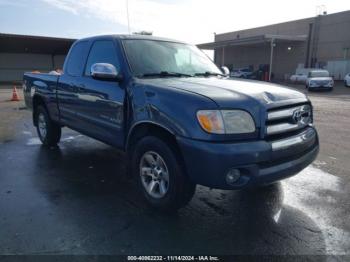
x: 105, y: 71
x: 225, y: 70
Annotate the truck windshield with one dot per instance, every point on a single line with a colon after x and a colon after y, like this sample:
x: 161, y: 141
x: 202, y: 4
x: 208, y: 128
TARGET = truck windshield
x: 151, y: 58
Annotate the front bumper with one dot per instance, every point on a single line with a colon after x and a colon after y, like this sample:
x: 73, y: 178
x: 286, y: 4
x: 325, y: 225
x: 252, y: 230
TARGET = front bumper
x: 320, y: 87
x: 259, y: 162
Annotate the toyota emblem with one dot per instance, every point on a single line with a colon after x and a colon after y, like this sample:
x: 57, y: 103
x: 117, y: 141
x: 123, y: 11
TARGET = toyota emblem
x: 297, y: 116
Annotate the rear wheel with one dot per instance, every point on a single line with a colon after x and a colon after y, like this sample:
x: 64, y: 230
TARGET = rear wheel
x: 160, y: 174
x: 48, y: 131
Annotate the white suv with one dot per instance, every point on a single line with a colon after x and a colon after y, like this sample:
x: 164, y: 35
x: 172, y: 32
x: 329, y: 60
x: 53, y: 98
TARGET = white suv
x: 241, y: 73
x: 319, y: 80
x: 347, y: 80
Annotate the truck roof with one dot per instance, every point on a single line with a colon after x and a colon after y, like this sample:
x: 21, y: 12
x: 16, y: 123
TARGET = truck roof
x: 133, y: 36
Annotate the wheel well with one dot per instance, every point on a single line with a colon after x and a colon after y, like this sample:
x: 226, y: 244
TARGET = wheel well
x: 150, y: 129
x: 37, y: 100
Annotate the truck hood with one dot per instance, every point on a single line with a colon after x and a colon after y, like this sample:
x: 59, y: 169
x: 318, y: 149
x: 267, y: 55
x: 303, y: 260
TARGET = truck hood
x: 228, y: 93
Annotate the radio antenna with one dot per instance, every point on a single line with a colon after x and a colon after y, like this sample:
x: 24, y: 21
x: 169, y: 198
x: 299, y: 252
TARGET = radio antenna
x: 127, y: 15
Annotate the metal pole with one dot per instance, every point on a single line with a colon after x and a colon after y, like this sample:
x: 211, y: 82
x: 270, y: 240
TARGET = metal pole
x: 223, y: 56
x: 271, y: 57
x: 127, y: 14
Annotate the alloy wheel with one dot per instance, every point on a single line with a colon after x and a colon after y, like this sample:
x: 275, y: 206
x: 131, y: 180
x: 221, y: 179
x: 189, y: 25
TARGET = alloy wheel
x: 154, y: 174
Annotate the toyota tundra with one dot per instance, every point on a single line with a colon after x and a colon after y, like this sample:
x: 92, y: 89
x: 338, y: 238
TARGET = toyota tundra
x: 177, y: 117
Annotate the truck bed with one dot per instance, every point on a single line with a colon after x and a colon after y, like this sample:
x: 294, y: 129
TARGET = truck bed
x: 42, y: 84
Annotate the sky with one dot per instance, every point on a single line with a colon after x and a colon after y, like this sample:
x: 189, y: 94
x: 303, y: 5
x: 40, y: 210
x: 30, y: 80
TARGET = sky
x: 193, y: 21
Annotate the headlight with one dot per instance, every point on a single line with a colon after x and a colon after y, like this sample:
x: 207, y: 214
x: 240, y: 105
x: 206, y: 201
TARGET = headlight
x: 238, y: 122
x: 226, y: 121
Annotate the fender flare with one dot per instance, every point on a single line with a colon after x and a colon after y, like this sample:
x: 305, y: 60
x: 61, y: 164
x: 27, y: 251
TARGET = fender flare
x: 138, y: 123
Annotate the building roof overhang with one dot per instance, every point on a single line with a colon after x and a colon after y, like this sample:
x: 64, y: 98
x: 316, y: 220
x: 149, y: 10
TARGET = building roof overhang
x: 253, y: 40
x: 11, y: 43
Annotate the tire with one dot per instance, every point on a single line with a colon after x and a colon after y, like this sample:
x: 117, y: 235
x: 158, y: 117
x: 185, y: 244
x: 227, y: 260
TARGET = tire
x: 48, y: 131
x: 151, y: 155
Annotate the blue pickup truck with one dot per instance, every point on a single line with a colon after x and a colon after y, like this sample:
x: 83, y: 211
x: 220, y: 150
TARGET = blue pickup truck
x: 179, y: 119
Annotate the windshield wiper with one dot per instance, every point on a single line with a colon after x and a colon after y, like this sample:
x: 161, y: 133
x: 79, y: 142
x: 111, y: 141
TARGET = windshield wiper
x: 207, y: 73
x: 165, y: 74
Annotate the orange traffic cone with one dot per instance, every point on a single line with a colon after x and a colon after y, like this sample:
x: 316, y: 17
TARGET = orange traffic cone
x: 15, y: 96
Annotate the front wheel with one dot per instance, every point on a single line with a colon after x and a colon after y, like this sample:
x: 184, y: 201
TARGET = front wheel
x: 160, y: 174
x: 48, y: 131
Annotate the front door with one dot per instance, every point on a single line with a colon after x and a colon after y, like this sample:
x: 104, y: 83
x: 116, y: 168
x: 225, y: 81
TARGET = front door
x: 101, y: 102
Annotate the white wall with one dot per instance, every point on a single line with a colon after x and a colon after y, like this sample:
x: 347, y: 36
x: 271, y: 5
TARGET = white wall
x: 338, y: 69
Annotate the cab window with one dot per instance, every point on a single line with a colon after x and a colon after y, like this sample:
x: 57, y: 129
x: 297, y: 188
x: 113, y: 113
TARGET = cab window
x: 77, y: 55
x: 102, y: 51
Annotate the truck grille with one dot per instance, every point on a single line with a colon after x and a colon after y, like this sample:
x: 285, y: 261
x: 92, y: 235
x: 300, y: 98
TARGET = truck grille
x: 284, y: 122
x: 322, y: 82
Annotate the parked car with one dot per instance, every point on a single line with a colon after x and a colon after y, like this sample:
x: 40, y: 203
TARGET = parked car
x: 177, y: 118
x: 347, y: 80
x: 241, y: 73
x: 319, y: 80
x: 298, y: 78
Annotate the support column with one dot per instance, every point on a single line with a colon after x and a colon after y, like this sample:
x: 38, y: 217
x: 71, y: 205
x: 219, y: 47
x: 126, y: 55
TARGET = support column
x: 53, y: 61
x: 223, y: 56
x: 271, y: 57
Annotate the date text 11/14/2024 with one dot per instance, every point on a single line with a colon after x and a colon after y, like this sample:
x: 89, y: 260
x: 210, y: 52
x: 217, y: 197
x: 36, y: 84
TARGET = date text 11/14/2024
x: 173, y: 258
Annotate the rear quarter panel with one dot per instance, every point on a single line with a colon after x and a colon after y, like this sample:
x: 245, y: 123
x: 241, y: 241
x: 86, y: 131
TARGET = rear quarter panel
x: 43, y: 86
